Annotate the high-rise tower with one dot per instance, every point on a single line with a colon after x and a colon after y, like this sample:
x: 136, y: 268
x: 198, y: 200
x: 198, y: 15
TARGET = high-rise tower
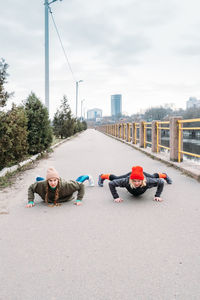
x: 116, y: 105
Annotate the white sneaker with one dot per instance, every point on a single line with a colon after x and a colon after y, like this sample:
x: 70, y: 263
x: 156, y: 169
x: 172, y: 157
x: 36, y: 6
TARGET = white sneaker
x: 91, y: 180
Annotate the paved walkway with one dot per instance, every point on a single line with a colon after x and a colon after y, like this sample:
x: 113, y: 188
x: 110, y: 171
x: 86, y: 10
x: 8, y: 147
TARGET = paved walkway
x: 138, y: 249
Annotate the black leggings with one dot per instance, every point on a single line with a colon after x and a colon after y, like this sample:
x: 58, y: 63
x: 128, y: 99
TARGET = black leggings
x: 113, y: 177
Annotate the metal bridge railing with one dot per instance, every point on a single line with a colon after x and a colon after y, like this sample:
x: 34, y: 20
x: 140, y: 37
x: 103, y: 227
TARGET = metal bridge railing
x: 137, y: 133
x: 159, y: 127
x: 180, y: 136
x: 147, y: 125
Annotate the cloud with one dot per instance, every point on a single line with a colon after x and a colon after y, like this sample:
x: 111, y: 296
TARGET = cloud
x: 104, y: 40
x: 189, y: 44
x: 114, y: 31
x: 110, y: 45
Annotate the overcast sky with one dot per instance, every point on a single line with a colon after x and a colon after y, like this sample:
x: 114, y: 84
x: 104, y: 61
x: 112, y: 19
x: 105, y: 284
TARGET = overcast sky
x: 146, y: 50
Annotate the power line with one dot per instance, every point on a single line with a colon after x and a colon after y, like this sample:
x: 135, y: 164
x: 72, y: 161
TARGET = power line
x: 62, y: 44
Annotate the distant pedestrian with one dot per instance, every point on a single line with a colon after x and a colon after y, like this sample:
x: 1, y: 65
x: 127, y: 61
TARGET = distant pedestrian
x: 136, y: 182
x: 55, y: 190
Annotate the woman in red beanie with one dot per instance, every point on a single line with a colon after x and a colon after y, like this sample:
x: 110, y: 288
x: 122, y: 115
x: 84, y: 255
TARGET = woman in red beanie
x: 55, y: 190
x: 136, y: 182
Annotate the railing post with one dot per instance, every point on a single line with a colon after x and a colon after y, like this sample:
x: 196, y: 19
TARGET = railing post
x: 141, y: 137
x: 174, y: 139
x: 120, y: 130
x: 124, y: 131
x: 154, y: 137
x: 124, y: 128
x: 145, y: 133
x: 130, y: 132
x: 134, y: 133
x: 127, y: 132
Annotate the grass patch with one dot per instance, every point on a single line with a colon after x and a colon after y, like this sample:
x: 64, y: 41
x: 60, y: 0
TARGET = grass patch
x: 10, y: 177
x: 55, y: 140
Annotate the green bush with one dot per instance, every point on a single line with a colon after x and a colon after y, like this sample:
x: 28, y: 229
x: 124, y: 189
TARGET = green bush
x: 63, y: 122
x: 13, y: 136
x: 40, y: 133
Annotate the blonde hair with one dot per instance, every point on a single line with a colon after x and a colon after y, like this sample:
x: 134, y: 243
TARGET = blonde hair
x: 56, y: 193
x: 131, y: 182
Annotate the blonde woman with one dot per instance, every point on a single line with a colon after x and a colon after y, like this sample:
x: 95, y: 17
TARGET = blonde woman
x: 136, y: 182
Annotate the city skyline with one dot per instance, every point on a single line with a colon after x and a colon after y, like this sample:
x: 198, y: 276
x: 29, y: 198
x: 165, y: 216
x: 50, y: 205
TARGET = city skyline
x: 146, y: 51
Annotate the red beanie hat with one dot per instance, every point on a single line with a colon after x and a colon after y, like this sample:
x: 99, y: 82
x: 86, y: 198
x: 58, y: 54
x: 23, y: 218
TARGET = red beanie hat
x: 137, y: 173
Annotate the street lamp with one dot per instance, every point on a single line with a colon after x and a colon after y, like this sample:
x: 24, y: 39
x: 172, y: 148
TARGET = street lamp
x: 77, y: 83
x: 82, y: 109
x: 46, y: 14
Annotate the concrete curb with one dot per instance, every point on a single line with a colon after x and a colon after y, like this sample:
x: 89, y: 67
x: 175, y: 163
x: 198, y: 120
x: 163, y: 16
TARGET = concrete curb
x: 32, y: 158
x: 187, y: 167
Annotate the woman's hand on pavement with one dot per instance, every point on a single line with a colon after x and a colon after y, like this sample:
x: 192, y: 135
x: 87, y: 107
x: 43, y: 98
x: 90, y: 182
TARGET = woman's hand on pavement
x: 78, y: 202
x: 118, y: 200
x: 30, y: 204
x: 158, y: 199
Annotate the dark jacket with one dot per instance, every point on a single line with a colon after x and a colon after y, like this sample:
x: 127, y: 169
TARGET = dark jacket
x: 124, y: 182
x: 66, y: 190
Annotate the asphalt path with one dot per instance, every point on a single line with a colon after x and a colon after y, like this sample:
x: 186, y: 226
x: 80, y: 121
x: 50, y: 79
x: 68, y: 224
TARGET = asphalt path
x: 139, y: 249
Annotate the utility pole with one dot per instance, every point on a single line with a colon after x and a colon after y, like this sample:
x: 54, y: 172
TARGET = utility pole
x: 46, y: 12
x: 46, y: 24
x: 77, y: 83
x: 82, y: 109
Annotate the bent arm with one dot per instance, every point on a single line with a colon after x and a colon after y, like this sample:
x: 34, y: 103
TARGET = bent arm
x: 156, y: 182
x: 31, y: 191
x: 81, y: 191
x: 160, y: 185
x: 116, y: 183
x: 76, y: 186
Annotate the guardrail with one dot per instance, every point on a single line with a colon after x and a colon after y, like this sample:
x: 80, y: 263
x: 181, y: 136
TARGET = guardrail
x: 180, y: 136
x: 136, y: 133
x: 147, y: 125
x: 160, y: 128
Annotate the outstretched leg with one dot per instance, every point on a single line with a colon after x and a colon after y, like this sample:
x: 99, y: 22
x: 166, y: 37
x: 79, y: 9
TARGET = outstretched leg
x: 110, y: 177
x: 159, y: 175
x: 83, y: 178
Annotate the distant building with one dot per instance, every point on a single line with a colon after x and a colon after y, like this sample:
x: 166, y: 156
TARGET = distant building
x: 192, y: 103
x: 93, y: 114
x: 116, y: 105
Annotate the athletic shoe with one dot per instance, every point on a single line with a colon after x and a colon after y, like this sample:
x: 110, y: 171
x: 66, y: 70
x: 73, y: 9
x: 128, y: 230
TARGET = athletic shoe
x: 100, y: 181
x: 169, y: 181
x: 91, y: 180
x: 38, y: 178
